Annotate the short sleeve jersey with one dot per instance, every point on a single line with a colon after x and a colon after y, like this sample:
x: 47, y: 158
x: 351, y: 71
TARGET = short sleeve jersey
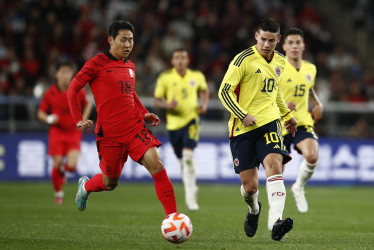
x: 296, y: 85
x: 112, y: 84
x: 55, y: 101
x: 251, y: 85
x: 184, y: 89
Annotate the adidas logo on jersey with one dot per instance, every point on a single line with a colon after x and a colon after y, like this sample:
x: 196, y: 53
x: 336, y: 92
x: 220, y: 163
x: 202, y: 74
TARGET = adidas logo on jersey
x: 276, y: 146
x: 289, y: 80
x: 237, y: 129
x: 258, y: 71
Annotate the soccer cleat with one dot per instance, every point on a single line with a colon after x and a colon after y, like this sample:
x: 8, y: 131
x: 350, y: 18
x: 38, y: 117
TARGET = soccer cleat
x: 191, y: 200
x: 251, y: 222
x: 59, y: 200
x: 82, y: 195
x: 59, y: 197
x: 280, y: 228
x: 192, y: 205
x: 299, y: 194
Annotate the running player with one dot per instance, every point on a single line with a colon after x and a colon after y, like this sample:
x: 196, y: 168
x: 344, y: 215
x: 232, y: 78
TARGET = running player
x: 250, y: 91
x: 64, y: 137
x: 120, y: 129
x: 178, y: 91
x: 297, y: 85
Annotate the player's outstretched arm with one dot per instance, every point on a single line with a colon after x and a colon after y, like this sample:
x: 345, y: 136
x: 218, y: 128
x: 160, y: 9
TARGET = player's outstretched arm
x: 155, y: 121
x: 204, y: 99
x: 50, y: 119
x: 161, y: 103
x: 318, y: 107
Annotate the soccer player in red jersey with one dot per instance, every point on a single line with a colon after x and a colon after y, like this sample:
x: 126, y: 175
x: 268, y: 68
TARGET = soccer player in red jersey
x: 120, y: 129
x: 64, y: 136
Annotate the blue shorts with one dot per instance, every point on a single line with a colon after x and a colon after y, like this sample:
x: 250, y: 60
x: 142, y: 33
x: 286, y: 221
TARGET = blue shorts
x: 248, y: 150
x: 303, y: 132
x: 185, y: 137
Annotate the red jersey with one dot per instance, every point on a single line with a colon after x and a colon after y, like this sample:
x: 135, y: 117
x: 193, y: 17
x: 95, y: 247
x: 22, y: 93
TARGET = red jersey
x: 55, y: 102
x: 112, y: 84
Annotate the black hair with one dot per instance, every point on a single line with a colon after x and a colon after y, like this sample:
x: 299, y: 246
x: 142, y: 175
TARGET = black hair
x: 294, y: 31
x: 116, y: 26
x: 179, y: 50
x: 270, y: 25
x: 65, y: 63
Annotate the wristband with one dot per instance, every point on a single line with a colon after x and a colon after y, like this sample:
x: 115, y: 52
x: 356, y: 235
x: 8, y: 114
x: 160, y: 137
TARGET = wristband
x: 50, y: 119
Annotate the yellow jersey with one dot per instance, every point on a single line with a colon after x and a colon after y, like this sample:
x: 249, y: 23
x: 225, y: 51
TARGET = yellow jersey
x: 251, y: 85
x: 296, y: 85
x: 185, y: 90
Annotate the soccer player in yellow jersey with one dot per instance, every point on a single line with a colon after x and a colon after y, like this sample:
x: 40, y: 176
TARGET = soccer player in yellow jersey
x: 178, y: 91
x: 297, y: 85
x: 250, y: 91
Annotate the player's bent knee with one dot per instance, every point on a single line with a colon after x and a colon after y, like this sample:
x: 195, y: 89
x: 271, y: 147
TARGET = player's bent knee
x: 250, y: 188
x: 250, y: 191
x: 57, y: 163
x: 111, y: 186
x: 311, y: 157
x: 155, y: 168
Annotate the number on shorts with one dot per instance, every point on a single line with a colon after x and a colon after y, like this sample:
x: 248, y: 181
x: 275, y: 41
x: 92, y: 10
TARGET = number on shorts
x: 145, y: 138
x: 192, y: 132
x: 271, y: 137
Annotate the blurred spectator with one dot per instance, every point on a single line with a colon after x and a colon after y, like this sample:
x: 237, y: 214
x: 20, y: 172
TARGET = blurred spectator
x: 360, y: 129
x: 34, y: 35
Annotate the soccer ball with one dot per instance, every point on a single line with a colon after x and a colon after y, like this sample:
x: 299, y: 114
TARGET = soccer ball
x: 176, y: 228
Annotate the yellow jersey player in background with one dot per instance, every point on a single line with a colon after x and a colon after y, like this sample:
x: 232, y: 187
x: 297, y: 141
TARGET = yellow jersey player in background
x: 250, y: 91
x: 178, y: 91
x: 297, y: 85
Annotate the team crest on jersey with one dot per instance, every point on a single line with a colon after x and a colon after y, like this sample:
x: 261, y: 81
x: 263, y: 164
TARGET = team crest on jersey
x: 192, y: 83
x: 131, y: 73
x: 278, y: 71
x: 236, y: 162
x: 308, y: 78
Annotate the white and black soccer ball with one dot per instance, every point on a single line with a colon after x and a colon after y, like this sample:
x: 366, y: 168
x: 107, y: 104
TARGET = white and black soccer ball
x: 176, y: 228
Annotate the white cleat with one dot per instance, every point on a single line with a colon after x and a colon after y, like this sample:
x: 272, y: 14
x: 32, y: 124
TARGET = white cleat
x: 82, y: 196
x: 191, y: 200
x: 192, y: 205
x: 299, y: 194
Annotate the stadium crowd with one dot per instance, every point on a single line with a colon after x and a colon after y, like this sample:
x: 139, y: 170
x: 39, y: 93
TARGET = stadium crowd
x: 35, y: 35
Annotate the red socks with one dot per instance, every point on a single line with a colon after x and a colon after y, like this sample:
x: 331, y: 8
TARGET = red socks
x: 165, y: 191
x: 57, y: 179
x: 67, y: 169
x: 95, y: 184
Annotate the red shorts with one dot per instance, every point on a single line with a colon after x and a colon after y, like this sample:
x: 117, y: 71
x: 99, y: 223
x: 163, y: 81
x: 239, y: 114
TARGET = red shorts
x: 113, y: 151
x: 62, y: 144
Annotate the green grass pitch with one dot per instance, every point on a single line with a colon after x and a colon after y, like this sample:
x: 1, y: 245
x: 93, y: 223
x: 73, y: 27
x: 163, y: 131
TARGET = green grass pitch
x: 130, y: 218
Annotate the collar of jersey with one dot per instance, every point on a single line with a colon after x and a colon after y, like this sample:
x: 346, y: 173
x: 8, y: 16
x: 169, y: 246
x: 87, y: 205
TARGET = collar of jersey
x: 110, y: 56
x: 260, y: 56
x: 290, y: 65
x: 176, y: 73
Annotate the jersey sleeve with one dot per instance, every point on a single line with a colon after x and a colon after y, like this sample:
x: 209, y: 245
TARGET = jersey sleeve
x: 285, y: 112
x: 45, y: 103
x: 85, y: 75
x: 140, y: 105
x: 83, y: 98
x: 160, y: 87
x: 314, y: 76
x: 226, y: 92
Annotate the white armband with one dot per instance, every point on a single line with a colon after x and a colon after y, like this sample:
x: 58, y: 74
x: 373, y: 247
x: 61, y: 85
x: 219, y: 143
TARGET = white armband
x: 50, y: 119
